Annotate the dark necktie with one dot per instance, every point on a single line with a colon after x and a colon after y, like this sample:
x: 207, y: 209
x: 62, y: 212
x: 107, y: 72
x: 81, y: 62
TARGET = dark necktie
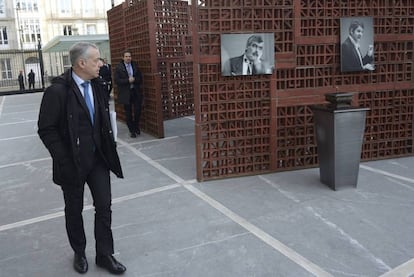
x: 249, y: 70
x: 88, y: 100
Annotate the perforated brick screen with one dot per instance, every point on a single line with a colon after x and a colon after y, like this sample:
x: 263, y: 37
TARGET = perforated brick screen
x: 159, y: 37
x: 249, y: 125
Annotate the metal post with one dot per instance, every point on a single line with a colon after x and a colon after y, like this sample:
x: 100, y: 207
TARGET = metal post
x: 42, y: 72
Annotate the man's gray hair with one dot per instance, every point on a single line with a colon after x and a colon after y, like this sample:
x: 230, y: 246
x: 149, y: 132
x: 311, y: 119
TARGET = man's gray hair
x: 80, y: 50
x: 254, y: 38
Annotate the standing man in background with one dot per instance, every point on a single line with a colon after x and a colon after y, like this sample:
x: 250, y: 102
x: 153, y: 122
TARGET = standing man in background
x: 21, y: 81
x: 74, y: 126
x: 128, y: 79
x: 106, y: 74
x: 31, y: 77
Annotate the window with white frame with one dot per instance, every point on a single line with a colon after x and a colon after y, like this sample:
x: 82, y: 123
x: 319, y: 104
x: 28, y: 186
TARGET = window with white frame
x: 91, y: 29
x: 5, y: 67
x: 88, y: 7
x: 67, y: 30
x: 31, y: 30
x: 66, y: 61
x: 2, y: 10
x: 3, y: 36
x: 21, y: 5
x: 28, y: 5
x: 65, y: 6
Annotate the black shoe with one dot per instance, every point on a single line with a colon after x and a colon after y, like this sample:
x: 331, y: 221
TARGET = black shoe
x: 108, y: 262
x: 133, y: 135
x: 80, y: 264
x: 138, y: 132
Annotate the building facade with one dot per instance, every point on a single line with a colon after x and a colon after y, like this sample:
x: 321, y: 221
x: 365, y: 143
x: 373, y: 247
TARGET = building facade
x: 26, y: 25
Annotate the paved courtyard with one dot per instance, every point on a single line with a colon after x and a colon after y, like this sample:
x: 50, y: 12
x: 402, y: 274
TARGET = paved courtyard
x: 166, y: 224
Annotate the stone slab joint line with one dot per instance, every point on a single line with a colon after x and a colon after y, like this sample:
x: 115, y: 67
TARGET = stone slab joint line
x: 260, y: 234
x: 385, y: 173
x: 344, y: 235
x: 164, y: 170
x: 88, y: 207
x: 24, y: 163
x: 269, y: 240
x: 85, y: 208
x: 2, y: 105
x: 404, y: 270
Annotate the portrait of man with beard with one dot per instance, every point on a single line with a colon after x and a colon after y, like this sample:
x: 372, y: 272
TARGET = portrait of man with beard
x: 252, y: 61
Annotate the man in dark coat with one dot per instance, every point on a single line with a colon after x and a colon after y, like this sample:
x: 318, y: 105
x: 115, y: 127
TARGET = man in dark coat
x: 106, y: 74
x: 128, y: 79
x: 31, y: 78
x: 74, y: 125
x: 21, y: 80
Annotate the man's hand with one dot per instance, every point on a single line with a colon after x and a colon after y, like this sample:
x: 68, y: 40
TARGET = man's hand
x: 369, y: 67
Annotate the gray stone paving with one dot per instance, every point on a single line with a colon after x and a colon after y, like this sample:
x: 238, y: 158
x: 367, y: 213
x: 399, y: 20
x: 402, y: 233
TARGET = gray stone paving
x: 167, y: 224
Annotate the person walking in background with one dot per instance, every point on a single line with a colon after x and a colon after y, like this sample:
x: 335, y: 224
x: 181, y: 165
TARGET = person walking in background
x: 250, y: 62
x: 31, y: 78
x: 106, y: 74
x: 128, y: 79
x: 351, y: 56
x: 21, y: 80
x: 74, y: 126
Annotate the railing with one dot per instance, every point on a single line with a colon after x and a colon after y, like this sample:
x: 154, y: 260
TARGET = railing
x: 14, y: 61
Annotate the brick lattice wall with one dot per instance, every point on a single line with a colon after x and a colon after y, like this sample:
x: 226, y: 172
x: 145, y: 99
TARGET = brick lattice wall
x: 248, y: 125
x: 158, y: 35
x: 257, y: 124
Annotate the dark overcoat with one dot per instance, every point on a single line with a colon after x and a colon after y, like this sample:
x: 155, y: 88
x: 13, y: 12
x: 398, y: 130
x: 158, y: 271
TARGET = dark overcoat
x: 121, y: 79
x: 58, y: 128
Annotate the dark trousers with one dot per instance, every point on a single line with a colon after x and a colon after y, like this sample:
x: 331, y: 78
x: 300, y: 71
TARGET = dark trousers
x: 98, y: 180
x: 31, y: 85
x: 133, y: 111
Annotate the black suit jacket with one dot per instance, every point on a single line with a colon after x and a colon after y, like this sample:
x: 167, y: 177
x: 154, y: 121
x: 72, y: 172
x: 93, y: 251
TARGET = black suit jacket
x: 350, y: 58
x: 105, y: 73
x: 234, y: 67
x: 65, y: 129
x: 121, y: 79
x: 31, y: 77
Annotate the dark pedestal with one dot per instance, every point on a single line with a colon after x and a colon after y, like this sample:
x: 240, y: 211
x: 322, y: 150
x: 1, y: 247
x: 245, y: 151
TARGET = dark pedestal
x: 339, y: 133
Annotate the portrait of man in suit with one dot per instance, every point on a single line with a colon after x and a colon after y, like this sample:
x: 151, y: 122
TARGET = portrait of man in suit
x: 357, y: 45
x: 257, y: 56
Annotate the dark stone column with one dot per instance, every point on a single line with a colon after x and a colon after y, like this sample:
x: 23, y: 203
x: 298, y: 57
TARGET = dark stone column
x: 339, y: 133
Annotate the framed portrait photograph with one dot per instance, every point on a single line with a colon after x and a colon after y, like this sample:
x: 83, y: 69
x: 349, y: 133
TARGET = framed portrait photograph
x: 247, y: 54
x: 357, y: 44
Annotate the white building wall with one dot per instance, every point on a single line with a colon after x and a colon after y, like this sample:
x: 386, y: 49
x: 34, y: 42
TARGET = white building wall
x: 51, y: 21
